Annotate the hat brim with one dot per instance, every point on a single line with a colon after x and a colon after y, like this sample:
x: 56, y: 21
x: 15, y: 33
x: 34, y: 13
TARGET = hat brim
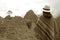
x: 46, y: 10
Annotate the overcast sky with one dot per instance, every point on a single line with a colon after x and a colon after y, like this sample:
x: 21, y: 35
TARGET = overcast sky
x: 20, y: 7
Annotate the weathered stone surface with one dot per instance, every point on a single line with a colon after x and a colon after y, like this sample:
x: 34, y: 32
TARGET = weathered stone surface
x: 31, y: 16
x: 15, y: 28
x: 18, y: 28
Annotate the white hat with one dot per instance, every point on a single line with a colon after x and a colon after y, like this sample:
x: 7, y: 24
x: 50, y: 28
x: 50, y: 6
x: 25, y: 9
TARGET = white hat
x: 46, y: 8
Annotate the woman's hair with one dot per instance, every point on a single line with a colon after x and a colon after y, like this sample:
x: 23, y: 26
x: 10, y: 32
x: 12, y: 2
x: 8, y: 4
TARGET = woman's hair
x: 47, y: 14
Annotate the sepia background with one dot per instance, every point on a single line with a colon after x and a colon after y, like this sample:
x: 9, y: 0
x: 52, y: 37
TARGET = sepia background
x: 21, y: 23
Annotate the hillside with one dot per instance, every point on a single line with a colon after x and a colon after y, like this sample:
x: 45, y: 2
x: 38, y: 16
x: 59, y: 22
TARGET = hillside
x: 18, y: 28
x: 15, y: 28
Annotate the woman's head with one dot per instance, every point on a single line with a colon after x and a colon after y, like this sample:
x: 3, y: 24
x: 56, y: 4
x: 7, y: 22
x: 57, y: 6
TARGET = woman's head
x: 46, y: 11
x: 47, y: 14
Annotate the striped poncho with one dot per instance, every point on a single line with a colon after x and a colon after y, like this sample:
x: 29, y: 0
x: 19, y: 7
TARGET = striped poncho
x: 46, y: 28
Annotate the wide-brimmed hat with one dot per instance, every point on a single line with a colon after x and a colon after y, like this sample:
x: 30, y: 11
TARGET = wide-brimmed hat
x: 46, y: 8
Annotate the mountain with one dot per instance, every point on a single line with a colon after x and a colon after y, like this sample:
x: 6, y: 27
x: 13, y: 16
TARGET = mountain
x: 15, y: 28
x: 30, y: 15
